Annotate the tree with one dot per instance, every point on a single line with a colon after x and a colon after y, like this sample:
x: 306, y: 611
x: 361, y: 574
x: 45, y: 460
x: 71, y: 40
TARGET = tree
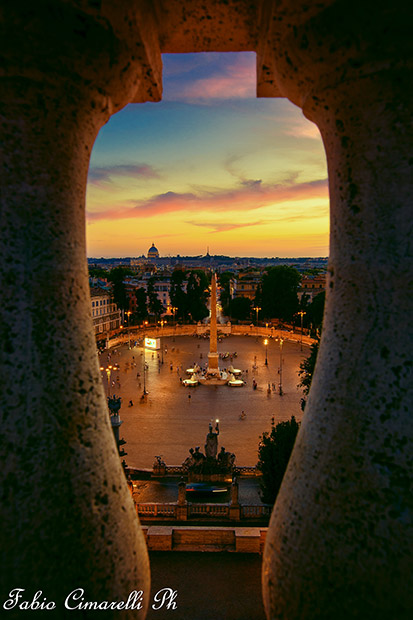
x: 240, y: 308
x: 154, y: 303
x: 98, y: 272
x: 315, y: 310
x: 274, y: 452
x: 141, y: 311
x: 225, y: 295
x: 117, y: 276
x: 277, y: 295
x: 197, y: 294
x: 177, y: 294
x: 306, y: 372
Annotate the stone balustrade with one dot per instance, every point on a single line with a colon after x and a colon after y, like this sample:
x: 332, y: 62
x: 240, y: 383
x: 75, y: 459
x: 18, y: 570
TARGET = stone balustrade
x: 158, y: 511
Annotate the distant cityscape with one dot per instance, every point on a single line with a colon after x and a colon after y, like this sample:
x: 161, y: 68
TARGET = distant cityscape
x: 150, y: 286
x: 219, y: 262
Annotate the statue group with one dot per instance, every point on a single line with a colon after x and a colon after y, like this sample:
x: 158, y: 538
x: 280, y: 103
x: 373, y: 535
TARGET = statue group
x: 210, y: 463
x: 114, y: 404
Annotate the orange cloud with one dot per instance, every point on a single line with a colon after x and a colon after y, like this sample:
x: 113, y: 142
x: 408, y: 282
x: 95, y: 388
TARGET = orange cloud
x: 248, y: 196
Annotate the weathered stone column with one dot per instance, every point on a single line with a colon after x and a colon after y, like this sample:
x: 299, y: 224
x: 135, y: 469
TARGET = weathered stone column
x: 340, y: 538
x: 182, y: 505
x: 234, y: 507
x: 68, y: 520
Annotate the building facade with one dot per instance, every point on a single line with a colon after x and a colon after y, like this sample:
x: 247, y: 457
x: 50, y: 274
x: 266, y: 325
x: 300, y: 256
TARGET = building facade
x: 105, y: 314
x: 311, y: 286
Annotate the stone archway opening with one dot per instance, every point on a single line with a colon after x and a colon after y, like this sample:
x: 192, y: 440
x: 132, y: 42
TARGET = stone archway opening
x: 343, y: 514
x: 164, y: 196
x: 210, y: 166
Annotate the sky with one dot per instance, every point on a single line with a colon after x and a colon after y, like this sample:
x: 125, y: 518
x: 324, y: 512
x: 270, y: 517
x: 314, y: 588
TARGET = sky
x: 210, y: 166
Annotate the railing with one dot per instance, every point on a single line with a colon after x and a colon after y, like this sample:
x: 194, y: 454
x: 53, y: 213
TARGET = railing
x: 208, y: 510
x: 255, y: 512
x: 156, y: 510
x: 246, y: 471
x: 247, y: 512
x: 192, y: 330
x: 171, y: 470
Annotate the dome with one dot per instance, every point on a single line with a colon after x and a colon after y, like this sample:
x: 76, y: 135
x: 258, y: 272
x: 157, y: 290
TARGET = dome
x: 153, y: 252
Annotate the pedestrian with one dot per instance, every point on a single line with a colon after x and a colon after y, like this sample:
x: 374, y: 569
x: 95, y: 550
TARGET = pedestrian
x: 189, y: 397
x: 131, y: 403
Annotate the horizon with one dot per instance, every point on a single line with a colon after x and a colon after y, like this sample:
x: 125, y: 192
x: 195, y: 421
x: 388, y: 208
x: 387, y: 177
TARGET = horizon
x: 297, y: 257
x: 209, y: 165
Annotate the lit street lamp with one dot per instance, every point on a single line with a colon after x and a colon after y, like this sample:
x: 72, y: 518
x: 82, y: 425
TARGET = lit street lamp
x: 174, y: 309
x: 128, y: 313
x: 301, y: 313
x: 280, y: 370
x: 162, y: 324
x: 108, y: 373
x: 145, y: 323
x: 266, y: 350
x: 257, y: 309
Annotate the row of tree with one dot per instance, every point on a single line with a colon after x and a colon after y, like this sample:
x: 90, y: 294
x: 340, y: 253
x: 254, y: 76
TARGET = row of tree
x: 189, y: 294
x: 190, y: 304
x: 276, y: 296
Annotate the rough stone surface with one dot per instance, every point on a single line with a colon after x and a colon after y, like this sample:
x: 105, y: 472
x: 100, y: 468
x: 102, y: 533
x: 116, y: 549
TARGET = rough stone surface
x: 68, y: 520
x: 339, y: 543
x: 340, y: 538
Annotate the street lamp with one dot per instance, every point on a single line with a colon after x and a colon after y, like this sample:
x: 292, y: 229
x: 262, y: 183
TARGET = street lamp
x: 174, y: 309
x: 108, y: 372
x: 257, y: 309
x: 280, y: 370
x: 128, y: 313
x: 162, y: 324
x: 144, y: 362
x: 266, y: 349
x: 301, y: 313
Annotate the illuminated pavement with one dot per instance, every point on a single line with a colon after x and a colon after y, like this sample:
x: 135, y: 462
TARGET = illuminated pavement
x: 169, y: 423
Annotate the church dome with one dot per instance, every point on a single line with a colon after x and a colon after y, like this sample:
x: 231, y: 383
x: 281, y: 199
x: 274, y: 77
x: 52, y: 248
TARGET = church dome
x: 153, y: 252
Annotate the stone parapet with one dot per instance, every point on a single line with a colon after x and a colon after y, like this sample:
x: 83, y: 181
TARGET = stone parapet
x: 187, y: 538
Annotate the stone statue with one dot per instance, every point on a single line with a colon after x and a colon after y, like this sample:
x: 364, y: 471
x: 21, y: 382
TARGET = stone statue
x: 226, y: 460
x: 114, y: 404
x: 211, y: 446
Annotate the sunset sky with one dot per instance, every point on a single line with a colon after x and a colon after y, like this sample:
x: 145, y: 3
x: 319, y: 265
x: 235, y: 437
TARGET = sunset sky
x: 209, y: 166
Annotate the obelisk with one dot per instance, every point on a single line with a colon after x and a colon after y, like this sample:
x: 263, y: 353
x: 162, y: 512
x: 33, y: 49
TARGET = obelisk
x: 213, y: 347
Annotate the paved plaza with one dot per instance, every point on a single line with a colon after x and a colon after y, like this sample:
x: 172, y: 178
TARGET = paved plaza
x: 168, y: 423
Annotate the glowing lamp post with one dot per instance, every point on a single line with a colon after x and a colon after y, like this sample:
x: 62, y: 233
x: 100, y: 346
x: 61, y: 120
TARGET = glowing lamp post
x: 162, y: 324
x: 280, y: 370
x: 266, y: 351
x: 128, y: 313
x: 301, y: 313
x: 257, y: 309
x: 108, y: 373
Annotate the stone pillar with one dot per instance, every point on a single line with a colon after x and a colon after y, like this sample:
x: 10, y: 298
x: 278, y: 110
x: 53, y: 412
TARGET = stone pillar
x: 234, y: 507
x: 181, y: 509
x: 67, y: 517
x: 340, y: 538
